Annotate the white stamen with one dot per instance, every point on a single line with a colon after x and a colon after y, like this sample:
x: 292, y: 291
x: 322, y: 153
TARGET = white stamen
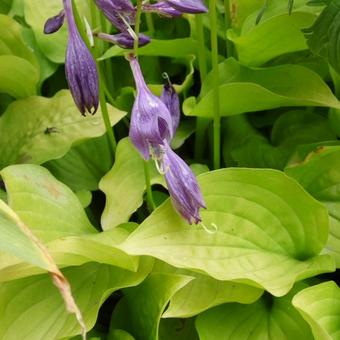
x: 89, y: 32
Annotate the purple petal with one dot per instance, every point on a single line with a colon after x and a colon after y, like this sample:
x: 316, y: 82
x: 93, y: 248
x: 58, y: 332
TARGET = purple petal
x: 182, y: 184
x: 188, y: 6
x: 151, y: 122
x: 121, y: 13
x: 124, y: 40
x: 162, y: 8
x: 80, y: 68
x: 53, y: 24
x: 170, y: 98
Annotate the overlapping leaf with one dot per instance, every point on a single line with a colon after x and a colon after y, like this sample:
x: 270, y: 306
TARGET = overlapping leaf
x: 52, y: 126
x: 270, y: 231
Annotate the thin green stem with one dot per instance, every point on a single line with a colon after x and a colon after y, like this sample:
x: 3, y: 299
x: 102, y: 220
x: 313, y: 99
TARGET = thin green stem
x: 201, y: 123
x: 227, y: 23
x: 150, y: 24
x: 105, y: 113
x: 216, y: 94
x: 149, y: 195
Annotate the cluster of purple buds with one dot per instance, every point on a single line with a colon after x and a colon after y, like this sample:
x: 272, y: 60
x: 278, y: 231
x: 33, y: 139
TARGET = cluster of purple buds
x: 80, y: 67
x: 153, y: 124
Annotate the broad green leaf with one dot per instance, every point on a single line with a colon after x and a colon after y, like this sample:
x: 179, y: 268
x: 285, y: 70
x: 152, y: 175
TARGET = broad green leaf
x: 269, y: 231
x: 5, y: 6
x: 46, y: 205
x: 74, y: 251
x: 184, y: 131
x: 320, y: 307
x: 323, y: 37
x: 84, y: 165
x: 16, y: 242
x: 52, y: 45
x: 37, y: 311
x: 272, y: 37
x: 126, y: 176
x: 140, y: 310
x: 18, y: 77
x: 319, y: 174
x: 203, y: 292
x: 175, y: 48
x: 179, y: 329
x: 52, y: 126
x: 11, y: 41
x: 119, y: 334
x: 268, y: 318
x: 261, y: 89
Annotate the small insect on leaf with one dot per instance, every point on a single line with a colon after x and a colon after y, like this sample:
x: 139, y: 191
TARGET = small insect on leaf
x: 51, y: 130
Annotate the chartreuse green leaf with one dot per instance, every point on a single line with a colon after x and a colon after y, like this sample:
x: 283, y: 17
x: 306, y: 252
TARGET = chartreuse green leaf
x: 52, y: 126
x: 84, y: 165
x: 261, y: 89
x: 126, y: 176
x: 37, y: 311
x: 203, y: 292
x: 268, y: 318
x: 11, y: 41
x: 18, y: 77
x: 49, y: 207
x: 55, y: 215
x: 119, y: 334
x: 319, y: 174
x: 273, y: 37
x: 52, y: 45
x: 320, y: 307
x: 15, y: 241
x: 140, y: 310
x: 269, y: 231
x: 179, y: 329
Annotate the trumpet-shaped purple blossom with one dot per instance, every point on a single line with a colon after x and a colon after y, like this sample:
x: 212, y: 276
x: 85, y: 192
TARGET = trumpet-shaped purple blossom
x: 151, y: 122
x: 170, y: 98
x: 124, y: 40
x: 80, y: 68
x: 120, y: 13
x: 182, y: 185
x: 53, y: 24
x: 188, y: 6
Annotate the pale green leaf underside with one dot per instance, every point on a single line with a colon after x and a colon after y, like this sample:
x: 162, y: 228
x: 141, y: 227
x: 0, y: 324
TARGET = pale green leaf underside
x: 262, y: 89
x: 32, y: 309
x: 270, y: 231
x: 31, y: 142
x: 320, y: 307
x: 268, y: 318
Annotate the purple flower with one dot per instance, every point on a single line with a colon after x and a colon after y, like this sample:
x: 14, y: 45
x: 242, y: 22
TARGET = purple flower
x: 121, y: 13
x: 170, y: 98
x: 53, y: 24
x: 151, y: 122
x: 182, y: 185
x: 124, y: 40
x: 161, y: 8
x: 188, y: 6
x: 80, y: 68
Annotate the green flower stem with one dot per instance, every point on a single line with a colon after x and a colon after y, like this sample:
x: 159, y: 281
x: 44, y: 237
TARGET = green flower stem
x: 149, y: 195
x: 150, y: 24
x: 201, y: 123
x: 216, y: 103
x: 227, y: 23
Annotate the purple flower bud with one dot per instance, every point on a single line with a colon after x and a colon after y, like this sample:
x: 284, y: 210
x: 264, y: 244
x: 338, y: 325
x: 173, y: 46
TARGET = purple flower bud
x: 161, y: 8
x: 53, y: 24
x: 188, y: 6
x: 182, y: 184
x: 124, y: 40
x: 151, y: 122
x: 80, y: 68
x: 170, y: 98
x: 121, y: 13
